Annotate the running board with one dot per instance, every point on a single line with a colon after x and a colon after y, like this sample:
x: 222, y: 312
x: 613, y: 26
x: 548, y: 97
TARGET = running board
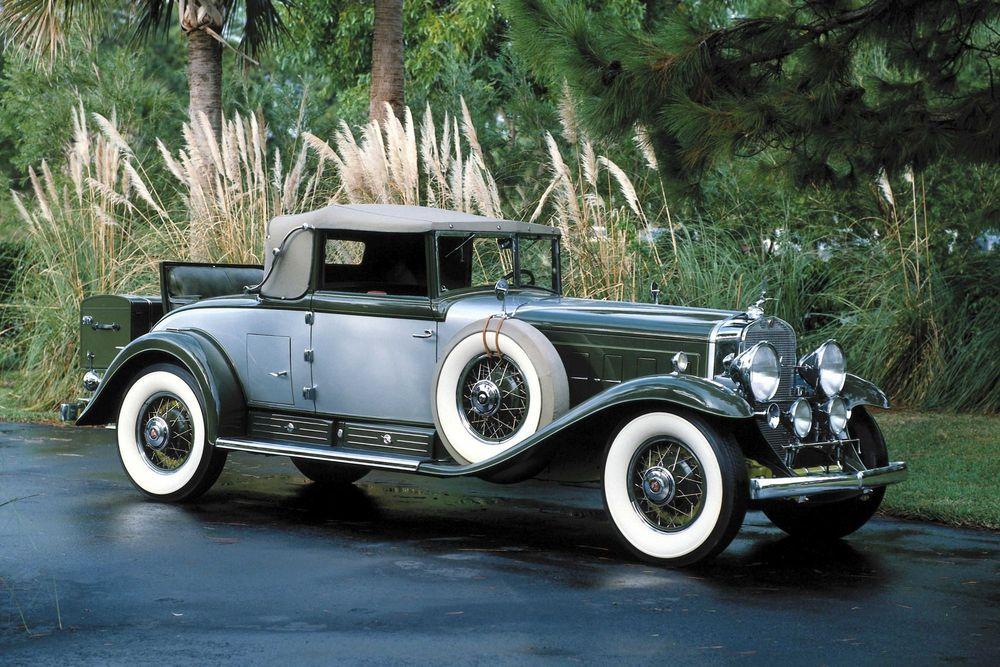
x: 329, y: 454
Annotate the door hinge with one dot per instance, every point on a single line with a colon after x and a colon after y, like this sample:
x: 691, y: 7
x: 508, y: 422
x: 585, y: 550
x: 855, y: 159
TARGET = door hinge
x: 309, y: 393
x: 307, y: 355
x: 309, y: 318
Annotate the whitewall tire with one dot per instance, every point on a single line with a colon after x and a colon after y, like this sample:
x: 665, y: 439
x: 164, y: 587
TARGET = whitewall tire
x: 494, y: 389
x: 161, y: 436
x: 674, y: 487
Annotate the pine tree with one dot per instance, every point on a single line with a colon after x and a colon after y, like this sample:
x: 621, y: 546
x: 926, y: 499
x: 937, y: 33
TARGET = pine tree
x: 843, y: 89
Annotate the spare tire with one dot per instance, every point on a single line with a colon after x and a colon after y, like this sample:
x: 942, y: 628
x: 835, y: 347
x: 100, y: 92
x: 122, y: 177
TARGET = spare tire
x: 498, y: 382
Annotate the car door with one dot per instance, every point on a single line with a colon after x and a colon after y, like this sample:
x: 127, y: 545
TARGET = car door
x: 374, y: 336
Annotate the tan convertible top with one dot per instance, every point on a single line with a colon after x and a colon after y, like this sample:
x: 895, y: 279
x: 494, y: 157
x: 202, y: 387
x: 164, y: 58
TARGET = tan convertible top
x: 289, y: 279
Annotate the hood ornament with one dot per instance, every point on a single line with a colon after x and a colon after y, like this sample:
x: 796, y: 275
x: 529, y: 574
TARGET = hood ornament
x: 755, y: 311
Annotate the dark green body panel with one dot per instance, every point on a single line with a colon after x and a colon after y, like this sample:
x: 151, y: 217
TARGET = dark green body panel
x: 534, y: 452
x: 221, y: 393
x: 117, y: 320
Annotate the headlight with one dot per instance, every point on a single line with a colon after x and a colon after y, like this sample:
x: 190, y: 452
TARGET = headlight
x: 825, y: 368
x: 758, y: 370
x: 801, y: 416
x: 836, y: 410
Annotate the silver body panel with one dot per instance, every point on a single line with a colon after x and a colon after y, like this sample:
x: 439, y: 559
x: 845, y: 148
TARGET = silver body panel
x: 258, y: 342
x: 374, y: 367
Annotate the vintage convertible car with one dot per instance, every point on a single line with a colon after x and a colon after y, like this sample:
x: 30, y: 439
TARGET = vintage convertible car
x: 438, y: 343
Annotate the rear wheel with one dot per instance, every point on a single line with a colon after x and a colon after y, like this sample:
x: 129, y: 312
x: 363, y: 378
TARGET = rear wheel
x: 836, y: 519
x: 330, y: 474
x: 674, y: 487
x: 161, y: 436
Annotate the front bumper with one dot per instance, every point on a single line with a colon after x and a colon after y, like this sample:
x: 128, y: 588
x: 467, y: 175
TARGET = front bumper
x: 769, y: 488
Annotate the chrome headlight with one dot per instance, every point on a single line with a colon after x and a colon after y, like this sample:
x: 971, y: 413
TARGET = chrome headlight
x: 801, y: 417
x: 825, y: 368
x: 759, y: 371
x: 838, y: 414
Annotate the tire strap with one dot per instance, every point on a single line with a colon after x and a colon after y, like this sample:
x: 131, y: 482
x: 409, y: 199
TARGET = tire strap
x: 486, y: 327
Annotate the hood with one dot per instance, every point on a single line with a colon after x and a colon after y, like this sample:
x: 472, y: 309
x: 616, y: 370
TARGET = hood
x: 623, y: 317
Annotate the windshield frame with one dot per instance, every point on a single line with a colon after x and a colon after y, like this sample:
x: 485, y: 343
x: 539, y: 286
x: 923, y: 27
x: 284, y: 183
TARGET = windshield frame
x: 516, y: 243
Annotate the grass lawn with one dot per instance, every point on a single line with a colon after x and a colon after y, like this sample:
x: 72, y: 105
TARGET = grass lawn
x: 954, y: 464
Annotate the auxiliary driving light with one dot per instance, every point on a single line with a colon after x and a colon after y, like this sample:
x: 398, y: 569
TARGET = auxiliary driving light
x: 838, y: 414
x: 801, y: 416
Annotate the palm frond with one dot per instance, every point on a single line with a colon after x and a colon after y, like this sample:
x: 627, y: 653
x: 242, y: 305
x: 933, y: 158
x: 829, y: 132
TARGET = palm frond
x: 263, y: 24
x: 40, y: 27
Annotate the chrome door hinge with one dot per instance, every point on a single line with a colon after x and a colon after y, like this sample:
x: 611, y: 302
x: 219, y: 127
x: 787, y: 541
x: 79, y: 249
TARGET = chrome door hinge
x: 307, y: 355
x: 309, y: 393
x: 309, y: 318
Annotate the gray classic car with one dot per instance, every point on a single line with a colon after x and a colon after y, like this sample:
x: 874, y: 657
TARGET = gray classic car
x: 438, y: 343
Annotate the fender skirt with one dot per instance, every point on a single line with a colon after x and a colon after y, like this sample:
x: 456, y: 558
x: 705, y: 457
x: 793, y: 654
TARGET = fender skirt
x: 862, y: 392
x: 221, y: 393
x: 530, y: 455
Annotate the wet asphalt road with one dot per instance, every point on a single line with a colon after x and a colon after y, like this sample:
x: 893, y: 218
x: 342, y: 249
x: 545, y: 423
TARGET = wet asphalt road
x: 416, y: 570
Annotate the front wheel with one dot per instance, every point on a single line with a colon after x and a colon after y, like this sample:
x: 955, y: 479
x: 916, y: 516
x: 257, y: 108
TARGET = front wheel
x: 161, y: 436
x: 817, y: 520
x: 674, y: 487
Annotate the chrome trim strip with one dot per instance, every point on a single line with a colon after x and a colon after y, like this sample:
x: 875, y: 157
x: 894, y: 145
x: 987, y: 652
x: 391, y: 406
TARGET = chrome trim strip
x: 713, y: 338
x: 764, y: 488
x: 331, y: 455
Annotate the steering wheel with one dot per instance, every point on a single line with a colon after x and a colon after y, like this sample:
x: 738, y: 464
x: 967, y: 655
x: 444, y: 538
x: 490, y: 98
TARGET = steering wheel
x: 530, y: 281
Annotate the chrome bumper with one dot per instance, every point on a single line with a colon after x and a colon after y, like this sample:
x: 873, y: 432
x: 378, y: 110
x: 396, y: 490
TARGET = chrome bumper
x: 769, y: 488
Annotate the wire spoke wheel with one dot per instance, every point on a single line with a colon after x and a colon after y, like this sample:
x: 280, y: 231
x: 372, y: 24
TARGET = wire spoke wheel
x: 164, y: 432
x: 493, y: 397
x: 666, y: 484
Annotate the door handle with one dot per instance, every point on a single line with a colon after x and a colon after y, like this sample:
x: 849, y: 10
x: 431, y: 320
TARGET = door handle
x: 427, y: 333
x: 278, y: 374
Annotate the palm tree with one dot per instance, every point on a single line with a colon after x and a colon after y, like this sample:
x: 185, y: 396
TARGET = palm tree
x: 387, y: 60
x: 41, y: 26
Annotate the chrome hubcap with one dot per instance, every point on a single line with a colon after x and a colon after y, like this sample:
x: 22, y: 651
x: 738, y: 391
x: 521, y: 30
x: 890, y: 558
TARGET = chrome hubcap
x: 156, y: 433
x: 658, y: 485
x: 666, y: 484
x: 164, y: 432
x: 485, y: 397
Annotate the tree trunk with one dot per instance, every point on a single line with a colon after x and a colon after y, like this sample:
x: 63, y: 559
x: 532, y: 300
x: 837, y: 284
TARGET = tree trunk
x: 387, y: 59
x: 204, y: 74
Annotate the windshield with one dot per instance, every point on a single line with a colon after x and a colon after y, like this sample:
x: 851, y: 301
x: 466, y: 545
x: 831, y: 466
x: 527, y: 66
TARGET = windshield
x: 475, y: 261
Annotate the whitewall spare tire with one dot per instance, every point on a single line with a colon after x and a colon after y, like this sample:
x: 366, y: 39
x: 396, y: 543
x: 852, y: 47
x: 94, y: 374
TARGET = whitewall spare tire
x: 674, y: 487
x: 161, y: 436
x: 497, y: 383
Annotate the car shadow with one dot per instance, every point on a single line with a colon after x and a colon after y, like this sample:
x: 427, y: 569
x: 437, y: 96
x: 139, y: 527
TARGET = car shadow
x: 526, y: 533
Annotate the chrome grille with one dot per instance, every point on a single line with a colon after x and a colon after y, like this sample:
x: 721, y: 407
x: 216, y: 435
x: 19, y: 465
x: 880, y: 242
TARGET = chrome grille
x: 782, y: 337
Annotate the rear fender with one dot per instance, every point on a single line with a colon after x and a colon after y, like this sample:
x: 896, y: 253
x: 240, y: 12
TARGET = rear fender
x: 221, y: 393
x: 529, y: 457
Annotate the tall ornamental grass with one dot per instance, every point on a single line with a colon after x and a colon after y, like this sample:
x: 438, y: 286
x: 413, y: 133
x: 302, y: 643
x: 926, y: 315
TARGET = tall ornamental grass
x: 926, y: 333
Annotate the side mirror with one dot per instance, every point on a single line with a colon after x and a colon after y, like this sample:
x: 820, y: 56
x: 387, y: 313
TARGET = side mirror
x: 501, y: 289
x: 654, y: 290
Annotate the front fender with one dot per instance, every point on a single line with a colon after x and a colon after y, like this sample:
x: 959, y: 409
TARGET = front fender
x: 529, y: 456
x: 857, y: 391
x: 221, y: 393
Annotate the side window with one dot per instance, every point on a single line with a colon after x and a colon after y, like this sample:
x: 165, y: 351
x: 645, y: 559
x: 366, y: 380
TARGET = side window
x: 344, y: 252
x: 375, y: 263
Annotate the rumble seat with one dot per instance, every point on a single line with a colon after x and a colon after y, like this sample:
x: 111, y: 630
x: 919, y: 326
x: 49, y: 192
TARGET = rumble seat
x: 184, y: 283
